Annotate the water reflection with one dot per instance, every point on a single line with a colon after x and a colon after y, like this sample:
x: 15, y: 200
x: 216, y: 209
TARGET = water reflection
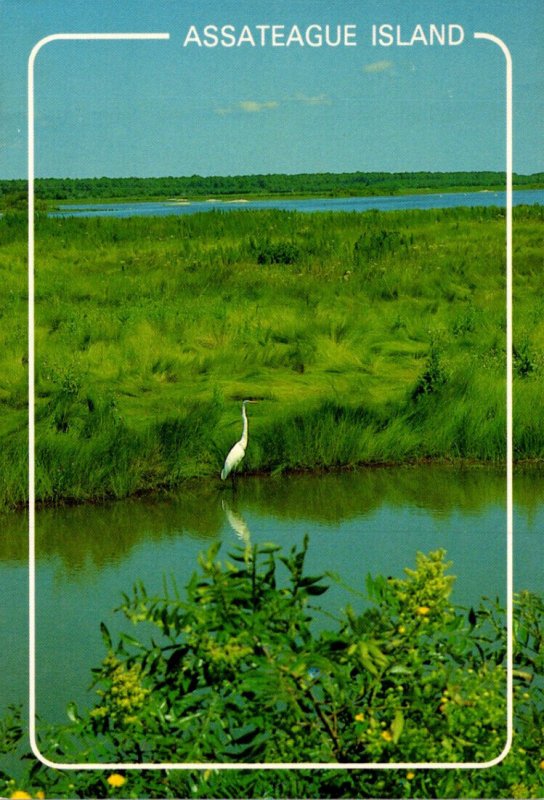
x: 237, y: 523
x: 88, y: 537
x: 336, y: 497
x: 367, y: 521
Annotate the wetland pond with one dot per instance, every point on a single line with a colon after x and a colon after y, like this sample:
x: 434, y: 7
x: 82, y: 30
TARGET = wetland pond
x: 359, y: 522
x: 307, y: 205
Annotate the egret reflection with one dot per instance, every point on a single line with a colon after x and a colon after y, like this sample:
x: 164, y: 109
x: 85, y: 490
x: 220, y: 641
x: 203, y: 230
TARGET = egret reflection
x: 237, y: 523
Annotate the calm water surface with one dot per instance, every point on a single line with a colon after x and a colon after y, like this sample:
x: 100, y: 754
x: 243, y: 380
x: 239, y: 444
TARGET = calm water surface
x: 395, y: 203
x: 369, y: 521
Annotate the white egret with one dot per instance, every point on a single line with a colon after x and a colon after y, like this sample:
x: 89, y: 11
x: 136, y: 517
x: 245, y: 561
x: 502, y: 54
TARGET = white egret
x: 238, y: 451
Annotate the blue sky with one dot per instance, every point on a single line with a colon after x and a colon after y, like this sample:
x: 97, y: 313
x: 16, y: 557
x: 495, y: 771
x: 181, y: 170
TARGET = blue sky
x: 158, y: 108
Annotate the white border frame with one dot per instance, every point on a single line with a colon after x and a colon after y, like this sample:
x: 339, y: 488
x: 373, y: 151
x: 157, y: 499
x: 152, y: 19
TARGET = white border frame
x: 31, y: 459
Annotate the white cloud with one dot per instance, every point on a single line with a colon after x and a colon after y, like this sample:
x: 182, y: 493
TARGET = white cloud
x: 257, y: 106
x: 378, y: 66
x: 315, y: 100
x: 253, y: 106
x: 248, y: 107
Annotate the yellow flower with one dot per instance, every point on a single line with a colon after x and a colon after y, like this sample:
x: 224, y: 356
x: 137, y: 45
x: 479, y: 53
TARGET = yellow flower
x: 387, y: 735
x: 359, y: 717
x: 423, y: 610
x: 541, y: 765
x: 410, y: 776
x: 21, y: 795
x: 401, y: 629
x: 115, y: 779
x: 40, y: 794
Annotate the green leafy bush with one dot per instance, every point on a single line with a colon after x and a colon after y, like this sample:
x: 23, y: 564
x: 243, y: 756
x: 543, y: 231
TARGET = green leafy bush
x: 239, y: 671
x: 433, y: 376
x: 374, y: 245
x: 276, y: 252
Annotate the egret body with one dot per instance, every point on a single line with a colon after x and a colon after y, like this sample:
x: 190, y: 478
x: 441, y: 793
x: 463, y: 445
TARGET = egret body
x: 238, y: 451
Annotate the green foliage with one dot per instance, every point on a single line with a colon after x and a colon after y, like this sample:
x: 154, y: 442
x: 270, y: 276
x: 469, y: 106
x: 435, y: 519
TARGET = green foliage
x: 525, y: 360
x: 150, y: 332
x: 237, y: 671
x: 276, y: 252
x: 433, y: 376
x: 13, y: 192
x: 376, y: 244
x: 11, y: 729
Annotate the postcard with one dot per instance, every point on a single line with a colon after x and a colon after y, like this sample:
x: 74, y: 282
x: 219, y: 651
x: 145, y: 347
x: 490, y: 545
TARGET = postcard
x: 272, y: 330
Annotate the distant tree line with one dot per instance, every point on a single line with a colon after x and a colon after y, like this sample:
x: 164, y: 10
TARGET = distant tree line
x: 324, y: 184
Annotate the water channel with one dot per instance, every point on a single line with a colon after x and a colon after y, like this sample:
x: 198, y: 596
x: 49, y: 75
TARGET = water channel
x: 359, y: 522
x: 309, y: 205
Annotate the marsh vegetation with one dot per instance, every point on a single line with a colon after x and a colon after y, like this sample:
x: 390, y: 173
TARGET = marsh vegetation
x: 368, y: 338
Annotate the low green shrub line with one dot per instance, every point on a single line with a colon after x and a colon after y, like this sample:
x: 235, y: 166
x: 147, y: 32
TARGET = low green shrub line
x: 13, y: 192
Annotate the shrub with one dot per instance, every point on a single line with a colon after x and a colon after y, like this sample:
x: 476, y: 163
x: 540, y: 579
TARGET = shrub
x: 525, y: 361
x: 238, y: 672
x: 277, y: 252
x: 433, y: 376
x: 373, y: 245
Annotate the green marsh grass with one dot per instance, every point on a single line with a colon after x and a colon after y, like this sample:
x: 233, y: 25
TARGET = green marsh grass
x: 367, y: 338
